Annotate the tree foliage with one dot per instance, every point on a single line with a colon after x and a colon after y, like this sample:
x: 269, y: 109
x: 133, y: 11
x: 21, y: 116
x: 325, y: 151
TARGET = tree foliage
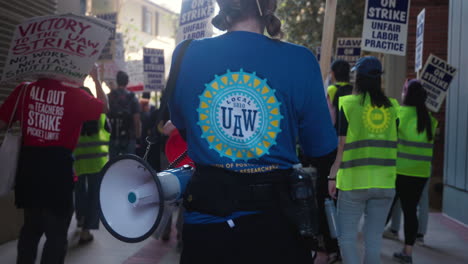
x: 303, y: 20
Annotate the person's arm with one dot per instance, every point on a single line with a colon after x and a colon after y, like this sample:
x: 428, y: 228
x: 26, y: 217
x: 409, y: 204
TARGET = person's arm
x: 100, y: 94
x: 336, y: 165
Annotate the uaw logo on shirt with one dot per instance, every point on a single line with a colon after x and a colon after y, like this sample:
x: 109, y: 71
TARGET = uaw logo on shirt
x: 376, y: 119
x: 239, y: 115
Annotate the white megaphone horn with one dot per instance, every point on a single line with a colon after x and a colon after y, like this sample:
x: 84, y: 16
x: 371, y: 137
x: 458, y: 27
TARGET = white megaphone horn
x: 134, y: 200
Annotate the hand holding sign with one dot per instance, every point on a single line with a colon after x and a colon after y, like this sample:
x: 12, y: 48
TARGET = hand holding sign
x: 62, y: 47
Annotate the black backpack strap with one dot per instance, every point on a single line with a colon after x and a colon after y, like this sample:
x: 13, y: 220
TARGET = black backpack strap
x: 163, y: 113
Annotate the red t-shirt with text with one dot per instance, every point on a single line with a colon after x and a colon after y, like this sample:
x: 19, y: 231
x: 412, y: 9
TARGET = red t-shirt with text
x: 52, y: 113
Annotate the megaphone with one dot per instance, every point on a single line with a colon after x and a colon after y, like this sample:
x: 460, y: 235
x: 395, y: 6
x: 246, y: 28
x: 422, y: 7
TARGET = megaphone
x: 134, y: 200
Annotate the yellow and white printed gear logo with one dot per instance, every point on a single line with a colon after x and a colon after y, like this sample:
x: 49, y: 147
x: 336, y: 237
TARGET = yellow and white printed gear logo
x: 239, y: 115
x: 376, y: 119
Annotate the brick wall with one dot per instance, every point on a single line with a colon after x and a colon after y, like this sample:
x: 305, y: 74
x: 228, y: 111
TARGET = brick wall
x: 435, y: 42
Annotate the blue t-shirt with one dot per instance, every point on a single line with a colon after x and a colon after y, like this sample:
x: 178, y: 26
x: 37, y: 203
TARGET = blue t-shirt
x: 244, y: 100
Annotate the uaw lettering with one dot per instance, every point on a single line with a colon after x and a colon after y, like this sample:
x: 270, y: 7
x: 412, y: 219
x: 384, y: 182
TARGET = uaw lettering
x: 386, y: 26
x: 71, y: 42
x: 237, y: 118
x: 348, y: 49
x: 194, y: 18
x: 436, y: 77
x: 45, y: 113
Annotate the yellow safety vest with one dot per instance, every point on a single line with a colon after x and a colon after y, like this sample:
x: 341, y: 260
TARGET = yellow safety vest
x: 91, y: 153
x: 414, y: 150
x: 370, y: 151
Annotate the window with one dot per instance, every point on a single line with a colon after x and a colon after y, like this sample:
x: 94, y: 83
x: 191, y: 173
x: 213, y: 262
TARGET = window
x: 146, y: 23
x: 156, y: 23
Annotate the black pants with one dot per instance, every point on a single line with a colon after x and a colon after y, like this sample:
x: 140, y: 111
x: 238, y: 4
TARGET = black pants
x: 409, y: 190
x: 259, y: 238
x: 51, y: 222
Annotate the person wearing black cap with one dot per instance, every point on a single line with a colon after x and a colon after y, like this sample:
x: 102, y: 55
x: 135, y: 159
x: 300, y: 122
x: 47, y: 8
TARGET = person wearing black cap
x: 340, y: 87
x: 365, y: 167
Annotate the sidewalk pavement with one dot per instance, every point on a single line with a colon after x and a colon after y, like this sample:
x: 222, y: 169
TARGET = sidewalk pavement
x: 446, y: 242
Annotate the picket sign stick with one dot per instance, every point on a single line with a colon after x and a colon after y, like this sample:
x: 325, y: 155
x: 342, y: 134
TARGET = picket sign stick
x: 327, y: 37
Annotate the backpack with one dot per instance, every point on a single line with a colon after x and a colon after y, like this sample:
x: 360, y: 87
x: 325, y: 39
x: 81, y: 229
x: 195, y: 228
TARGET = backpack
x: 120, y: 115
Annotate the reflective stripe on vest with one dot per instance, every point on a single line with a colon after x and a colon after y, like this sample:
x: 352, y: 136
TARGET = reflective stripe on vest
x: 415, y: 144
x: 92, y: 144
x: 413, y: 157
x: 370, y: 143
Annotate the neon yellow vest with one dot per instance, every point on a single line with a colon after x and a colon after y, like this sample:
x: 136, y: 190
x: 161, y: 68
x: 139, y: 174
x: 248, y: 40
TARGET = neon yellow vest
x: 332, y: 89
x: 92, y: 151
x: 414, y: 150
x: 370, y: 151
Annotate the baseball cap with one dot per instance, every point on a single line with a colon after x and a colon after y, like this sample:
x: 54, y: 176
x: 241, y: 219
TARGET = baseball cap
x: 368, y: 66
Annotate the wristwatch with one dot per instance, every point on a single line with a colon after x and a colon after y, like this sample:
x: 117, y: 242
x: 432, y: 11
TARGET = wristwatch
x: 331, y: 179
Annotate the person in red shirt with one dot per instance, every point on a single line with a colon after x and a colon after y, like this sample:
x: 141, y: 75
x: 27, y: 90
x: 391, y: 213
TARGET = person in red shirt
x: 51, y: 114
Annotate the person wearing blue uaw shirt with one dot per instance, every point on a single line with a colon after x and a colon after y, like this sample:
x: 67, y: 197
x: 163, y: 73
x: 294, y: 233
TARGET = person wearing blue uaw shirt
x: 242, y: 100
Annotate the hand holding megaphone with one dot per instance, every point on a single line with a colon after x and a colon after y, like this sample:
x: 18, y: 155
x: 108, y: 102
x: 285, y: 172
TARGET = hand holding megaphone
x: 134, y: 198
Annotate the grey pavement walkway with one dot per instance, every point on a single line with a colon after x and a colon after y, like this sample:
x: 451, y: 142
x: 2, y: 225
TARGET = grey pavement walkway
x: 446, y: 242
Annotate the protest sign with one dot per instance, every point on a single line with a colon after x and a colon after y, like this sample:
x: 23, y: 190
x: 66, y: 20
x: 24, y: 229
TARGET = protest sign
x: 195, y: 19
x: 418, y: 55
x: 153, y: 68
x: 108, y: 53
x: 135, y: 73
x: 62, y: 47
x: 436, y: 77
x: 348, y: 49
x: 386, y: 26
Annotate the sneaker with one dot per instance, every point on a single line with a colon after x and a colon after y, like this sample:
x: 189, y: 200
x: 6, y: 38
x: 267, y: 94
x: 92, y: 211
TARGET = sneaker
x: 391, y: 234
x: 403, y: 258
x: 420, y: 240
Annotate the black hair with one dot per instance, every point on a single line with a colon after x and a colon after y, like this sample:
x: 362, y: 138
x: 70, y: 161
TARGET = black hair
x: 372, y: 87
x: 89, y: 128
x: 232, y: 11
x: 340, y: 69
x: 122, y: 78
x: 416, y: 96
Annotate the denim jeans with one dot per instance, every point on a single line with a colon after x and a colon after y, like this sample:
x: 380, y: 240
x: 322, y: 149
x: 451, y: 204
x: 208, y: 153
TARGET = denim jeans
x: 374, y: 204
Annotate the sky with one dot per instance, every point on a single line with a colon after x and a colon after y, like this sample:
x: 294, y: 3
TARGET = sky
x: 173, y: 5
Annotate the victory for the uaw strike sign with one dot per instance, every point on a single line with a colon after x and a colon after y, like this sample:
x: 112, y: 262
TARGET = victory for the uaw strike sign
x: 195, y: 19
x: 62, y: 47
x: 386, y: 26
x: 436, y: 78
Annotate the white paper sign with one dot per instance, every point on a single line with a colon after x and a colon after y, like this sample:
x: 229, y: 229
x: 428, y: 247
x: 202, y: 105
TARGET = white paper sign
x: 195, y: 19
x: 436, y: 78
x: 386, y: 26
x: 418, y: 55
x: 62, y: 47
x: 153, y: 68
x: 135, y: 72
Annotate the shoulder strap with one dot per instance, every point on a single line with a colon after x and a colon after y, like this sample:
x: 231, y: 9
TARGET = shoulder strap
x: 22, y: 91
x: 171, y: 82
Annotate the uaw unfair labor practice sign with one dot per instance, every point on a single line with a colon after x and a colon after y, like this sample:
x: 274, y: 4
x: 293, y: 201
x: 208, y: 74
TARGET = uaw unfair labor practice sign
x: 348, y: 49
x: 153, y: 68
x: 195, y: 19
x: 62, y: 47
x: 386, y: 26
x: 436, y: 78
